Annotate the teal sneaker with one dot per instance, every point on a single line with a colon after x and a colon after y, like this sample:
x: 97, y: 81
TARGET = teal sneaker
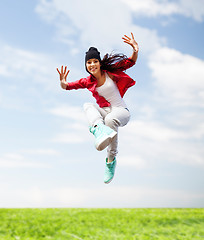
x: 103, y: 135
x: 109, y: 171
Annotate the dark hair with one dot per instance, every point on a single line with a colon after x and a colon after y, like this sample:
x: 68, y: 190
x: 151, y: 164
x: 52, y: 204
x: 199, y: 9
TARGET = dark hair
x: 113, y: 62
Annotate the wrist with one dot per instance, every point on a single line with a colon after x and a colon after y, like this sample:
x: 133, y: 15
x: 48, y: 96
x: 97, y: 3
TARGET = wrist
x: 63, y: 84
x: 135, y: 50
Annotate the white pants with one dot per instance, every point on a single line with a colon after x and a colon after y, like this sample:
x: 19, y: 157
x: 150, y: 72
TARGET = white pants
x: 113, y: 117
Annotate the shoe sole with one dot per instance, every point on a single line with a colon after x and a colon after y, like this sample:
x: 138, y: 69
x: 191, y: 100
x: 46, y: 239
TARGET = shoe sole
x: 105, y: 141
x: 109, y: 181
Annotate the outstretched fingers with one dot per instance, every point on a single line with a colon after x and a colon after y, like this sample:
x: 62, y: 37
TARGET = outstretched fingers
x: 132, y: 35
x: 63, y: 73
x: 126, y: 40
x: 65, y: 69
x: 127, y: 37
x: 66, y: 74
x: 58, y: 71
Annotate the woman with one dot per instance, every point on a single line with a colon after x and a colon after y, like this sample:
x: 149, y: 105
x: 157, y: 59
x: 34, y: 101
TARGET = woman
x: 108, y: 84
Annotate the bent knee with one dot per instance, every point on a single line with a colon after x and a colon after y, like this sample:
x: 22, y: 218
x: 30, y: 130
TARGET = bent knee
x: 112, y: 122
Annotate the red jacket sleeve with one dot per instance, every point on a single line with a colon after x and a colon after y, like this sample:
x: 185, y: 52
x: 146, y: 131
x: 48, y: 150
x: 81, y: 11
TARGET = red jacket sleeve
x: 81, y: 83
x: 126, y: 63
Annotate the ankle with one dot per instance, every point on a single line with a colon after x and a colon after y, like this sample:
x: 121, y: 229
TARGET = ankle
x: 110, y: 160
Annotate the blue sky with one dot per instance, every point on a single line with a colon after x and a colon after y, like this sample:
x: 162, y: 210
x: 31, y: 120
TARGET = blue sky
x: 47, y: 155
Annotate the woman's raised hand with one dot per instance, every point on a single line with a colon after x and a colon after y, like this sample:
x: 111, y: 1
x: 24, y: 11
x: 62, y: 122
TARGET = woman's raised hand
x: 131, y: 41
x: 63, y: 77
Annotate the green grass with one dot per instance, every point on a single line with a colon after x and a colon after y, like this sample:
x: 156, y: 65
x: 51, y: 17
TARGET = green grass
x: 103, y: 224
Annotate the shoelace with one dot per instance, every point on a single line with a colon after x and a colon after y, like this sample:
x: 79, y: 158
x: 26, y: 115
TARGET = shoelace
x: 109, y: 167
x: 97, y: 130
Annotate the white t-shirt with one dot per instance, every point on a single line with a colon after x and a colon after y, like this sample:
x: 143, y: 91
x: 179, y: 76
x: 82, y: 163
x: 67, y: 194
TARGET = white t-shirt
x: 110, y: 92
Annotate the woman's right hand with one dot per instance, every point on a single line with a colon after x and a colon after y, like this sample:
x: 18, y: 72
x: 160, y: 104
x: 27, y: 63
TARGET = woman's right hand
x: 63, y: 77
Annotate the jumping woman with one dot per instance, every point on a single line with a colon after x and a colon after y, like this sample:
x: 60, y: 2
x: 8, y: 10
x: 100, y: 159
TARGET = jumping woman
x: 108, y: 84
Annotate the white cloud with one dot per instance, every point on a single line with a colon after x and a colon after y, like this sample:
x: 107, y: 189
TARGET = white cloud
x: 178, y: 76
x: 28, y: 78
x: 73, y: 132
x: 69, y: 23
x: 75, y: 129
x: 153, y: 8
x: 132, y: 161
x: 22, y: 65
x: 27, y: 158
x: 19, y: 161
x: 119, y: 196
x: 145, y: 142
x: 158, y: 131
x: 70, y: 112
x: 95, y: 28
x: 152, y: 131
x: 192, y: 8
x: 70, y: 137
x: 43, y: 152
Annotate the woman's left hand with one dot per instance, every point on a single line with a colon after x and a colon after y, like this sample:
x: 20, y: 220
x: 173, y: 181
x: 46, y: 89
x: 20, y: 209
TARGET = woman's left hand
x: 131, y: 41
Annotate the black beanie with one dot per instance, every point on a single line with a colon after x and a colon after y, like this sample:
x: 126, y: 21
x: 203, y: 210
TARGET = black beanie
x: 92, y: 53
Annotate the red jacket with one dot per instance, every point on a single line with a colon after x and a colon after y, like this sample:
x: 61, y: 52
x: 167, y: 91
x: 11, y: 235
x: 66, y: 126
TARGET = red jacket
x: 122, y: 80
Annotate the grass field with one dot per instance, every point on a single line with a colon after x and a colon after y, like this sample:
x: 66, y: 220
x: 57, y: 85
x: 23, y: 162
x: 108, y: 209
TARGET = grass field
x: 103, y: 224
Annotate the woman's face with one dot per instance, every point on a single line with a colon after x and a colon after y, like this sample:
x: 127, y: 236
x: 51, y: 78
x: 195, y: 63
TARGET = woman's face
x: 93, y: 66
